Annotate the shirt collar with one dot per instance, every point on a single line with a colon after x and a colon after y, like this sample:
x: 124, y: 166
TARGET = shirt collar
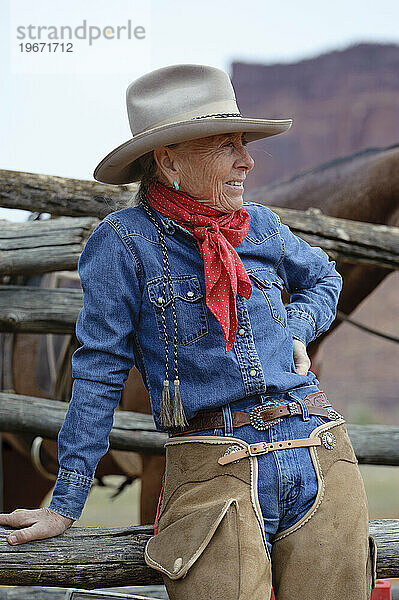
x: 170, y: 226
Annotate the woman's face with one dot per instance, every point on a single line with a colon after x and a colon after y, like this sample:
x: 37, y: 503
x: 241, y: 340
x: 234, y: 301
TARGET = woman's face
x: 207, y: 169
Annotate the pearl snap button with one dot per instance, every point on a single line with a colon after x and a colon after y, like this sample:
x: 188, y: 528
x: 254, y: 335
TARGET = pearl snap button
x: 252, y: 372
x: 241, y: 331
x: 190, y: 294
x: 160, y: 300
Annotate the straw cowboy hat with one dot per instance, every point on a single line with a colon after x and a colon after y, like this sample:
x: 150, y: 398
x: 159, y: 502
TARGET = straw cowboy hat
x: 176, y: 104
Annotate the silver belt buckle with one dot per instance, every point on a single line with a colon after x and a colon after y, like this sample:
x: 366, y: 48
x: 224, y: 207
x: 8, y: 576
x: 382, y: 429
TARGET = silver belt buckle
x: 256, y: 420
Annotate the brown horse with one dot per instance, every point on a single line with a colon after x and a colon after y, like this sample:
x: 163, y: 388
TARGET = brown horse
x: 362, y: 187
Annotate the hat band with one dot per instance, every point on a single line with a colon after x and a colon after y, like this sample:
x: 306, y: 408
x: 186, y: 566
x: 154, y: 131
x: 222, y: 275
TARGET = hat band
x: 212, y: 115
x: 219, y: 115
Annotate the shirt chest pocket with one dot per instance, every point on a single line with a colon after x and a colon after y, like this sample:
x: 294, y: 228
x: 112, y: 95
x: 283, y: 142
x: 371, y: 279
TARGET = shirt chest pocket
x: 271, y: 287
x: 190, y: 314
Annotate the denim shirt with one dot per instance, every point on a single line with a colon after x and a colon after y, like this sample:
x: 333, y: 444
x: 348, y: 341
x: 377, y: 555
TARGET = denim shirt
x: 120, y: 325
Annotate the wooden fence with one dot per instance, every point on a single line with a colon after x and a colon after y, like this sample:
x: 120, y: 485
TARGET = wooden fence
x: 86, y: 557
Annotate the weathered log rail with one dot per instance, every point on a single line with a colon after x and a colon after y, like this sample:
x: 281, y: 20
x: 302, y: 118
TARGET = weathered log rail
x: 55, y: 244
x: 81, y: 557
x: 24, y: 414
x: 43, y: 246
x: 55, y: 593
x: 29, y: 309
x: 350, y: 241
x: 152, y: 592
x: 343, y: 239
x: 61, y: 196
x: 373, y: 444
x: 87, y: 557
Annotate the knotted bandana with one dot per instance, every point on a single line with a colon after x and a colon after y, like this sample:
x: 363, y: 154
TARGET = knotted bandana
x: 217, y: 235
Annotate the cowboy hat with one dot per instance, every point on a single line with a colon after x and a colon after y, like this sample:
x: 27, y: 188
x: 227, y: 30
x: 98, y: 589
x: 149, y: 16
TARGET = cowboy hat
x: 176, y: 104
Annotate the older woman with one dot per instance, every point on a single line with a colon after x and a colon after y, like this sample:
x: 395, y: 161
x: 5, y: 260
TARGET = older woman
x: 261, y: 479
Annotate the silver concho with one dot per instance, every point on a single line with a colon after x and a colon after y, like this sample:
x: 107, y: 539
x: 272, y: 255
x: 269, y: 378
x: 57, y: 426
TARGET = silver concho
x: 231, y: 450
x: 256, y: 420
x: 294, y: 408
x: 328, y: 440
x: 333, y: 414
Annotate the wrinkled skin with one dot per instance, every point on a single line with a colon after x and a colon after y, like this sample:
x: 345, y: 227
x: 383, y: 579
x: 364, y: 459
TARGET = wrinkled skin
x: 202, y: 169
x: 35, y: 524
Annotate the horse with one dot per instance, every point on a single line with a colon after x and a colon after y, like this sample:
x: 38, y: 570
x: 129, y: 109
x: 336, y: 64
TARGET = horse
x: 363, y: 187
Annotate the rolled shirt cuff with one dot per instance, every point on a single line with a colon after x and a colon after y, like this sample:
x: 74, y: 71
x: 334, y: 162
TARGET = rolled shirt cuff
x: 70, y: 493
x: 301, y: 325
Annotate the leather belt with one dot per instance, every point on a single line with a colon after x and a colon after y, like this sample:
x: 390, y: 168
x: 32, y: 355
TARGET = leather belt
x: 261, y: 416
x: 265, y: 447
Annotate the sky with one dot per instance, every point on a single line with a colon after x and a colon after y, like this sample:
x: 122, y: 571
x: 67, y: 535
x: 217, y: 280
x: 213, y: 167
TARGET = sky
x: 62, y: 112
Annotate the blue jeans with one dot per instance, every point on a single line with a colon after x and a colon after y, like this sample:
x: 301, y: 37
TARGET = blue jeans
x: 287, y: 481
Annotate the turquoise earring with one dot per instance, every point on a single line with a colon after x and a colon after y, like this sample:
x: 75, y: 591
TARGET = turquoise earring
x: 175, y: 184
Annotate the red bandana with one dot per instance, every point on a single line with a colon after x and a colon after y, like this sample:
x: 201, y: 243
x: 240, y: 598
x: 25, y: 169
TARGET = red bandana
x: 217, y: 235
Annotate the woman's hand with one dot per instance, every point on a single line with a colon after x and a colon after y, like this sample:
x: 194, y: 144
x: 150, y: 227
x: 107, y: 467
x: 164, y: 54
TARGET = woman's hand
x: 35, y: 524
x: 301, y: 358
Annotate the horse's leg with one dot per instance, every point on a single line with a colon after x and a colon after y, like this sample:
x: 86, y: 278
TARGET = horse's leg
x: 151, y: 482
x: 49, y: 461
x: 136, y: 398
x: 23, y: 486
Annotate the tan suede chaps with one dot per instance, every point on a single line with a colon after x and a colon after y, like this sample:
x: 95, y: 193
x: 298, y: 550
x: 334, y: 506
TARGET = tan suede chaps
x: 211, y: 543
